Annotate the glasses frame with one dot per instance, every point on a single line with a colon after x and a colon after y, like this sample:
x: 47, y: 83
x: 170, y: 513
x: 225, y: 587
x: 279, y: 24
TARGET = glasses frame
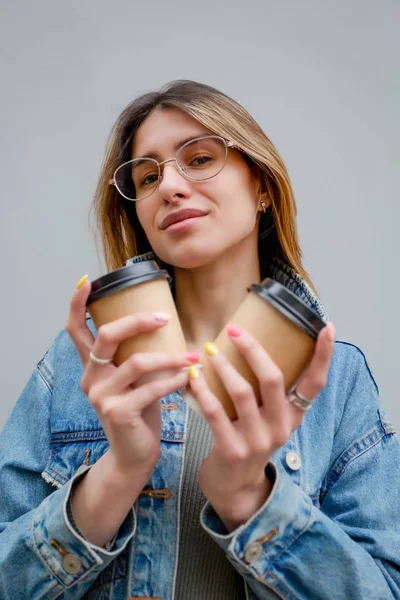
x: 228, y: 144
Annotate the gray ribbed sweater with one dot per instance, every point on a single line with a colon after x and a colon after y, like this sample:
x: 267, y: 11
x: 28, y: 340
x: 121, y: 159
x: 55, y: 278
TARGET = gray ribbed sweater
x: 204, y: 572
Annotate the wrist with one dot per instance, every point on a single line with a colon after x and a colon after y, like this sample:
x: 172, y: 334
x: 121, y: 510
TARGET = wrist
x: 123, y: 475
x: 103, y: 496
x: 240, y: 507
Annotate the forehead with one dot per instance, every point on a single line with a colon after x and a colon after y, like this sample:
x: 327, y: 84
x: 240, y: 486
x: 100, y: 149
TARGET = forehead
x: 163, y: 129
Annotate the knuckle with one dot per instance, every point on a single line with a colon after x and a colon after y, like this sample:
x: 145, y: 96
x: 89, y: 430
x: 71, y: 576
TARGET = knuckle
x: 212, y: 412
x: 320, y: 381
x: 109, y: 412
x: 244, y: 392
x: 104, y: 334
x: 94, y: 395
x: 237, y: 454
x: 135, y: 361
x: 259, y: 448
x: 275, y: 380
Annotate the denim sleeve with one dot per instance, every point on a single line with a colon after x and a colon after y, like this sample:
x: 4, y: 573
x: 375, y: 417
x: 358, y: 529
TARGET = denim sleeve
x: 41, y: 554
x: 347, y: 547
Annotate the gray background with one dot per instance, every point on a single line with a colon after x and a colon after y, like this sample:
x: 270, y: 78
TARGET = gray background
x: 320, y: 77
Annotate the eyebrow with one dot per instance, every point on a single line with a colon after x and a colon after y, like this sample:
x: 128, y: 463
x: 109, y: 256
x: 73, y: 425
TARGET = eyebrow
x: 181, y: 142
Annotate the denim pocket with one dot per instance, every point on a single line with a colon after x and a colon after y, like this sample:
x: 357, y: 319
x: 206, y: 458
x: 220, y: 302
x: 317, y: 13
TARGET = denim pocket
x: 71, y: 450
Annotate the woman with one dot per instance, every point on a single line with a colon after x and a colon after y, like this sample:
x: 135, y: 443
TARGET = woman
x: 296, y: 504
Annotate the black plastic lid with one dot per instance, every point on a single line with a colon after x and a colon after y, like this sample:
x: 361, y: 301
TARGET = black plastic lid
x: 117, y: 280
x: 290, y: 305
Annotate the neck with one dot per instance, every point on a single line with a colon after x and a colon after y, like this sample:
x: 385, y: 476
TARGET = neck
x: 207, y: 296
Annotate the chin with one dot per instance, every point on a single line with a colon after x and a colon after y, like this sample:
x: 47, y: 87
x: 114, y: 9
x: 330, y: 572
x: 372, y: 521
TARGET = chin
x: 189, y: 258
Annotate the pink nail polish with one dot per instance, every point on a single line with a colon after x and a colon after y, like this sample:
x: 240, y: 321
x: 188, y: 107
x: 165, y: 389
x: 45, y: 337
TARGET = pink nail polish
x: 161, y: 317
x: 234, y: 330
x: 193, y: 357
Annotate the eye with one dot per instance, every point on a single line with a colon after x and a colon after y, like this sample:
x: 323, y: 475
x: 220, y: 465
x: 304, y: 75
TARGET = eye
x: 200, y: 161
x: 149, y: 179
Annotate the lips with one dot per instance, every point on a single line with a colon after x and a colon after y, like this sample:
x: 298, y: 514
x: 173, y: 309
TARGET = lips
x: 181, y: 215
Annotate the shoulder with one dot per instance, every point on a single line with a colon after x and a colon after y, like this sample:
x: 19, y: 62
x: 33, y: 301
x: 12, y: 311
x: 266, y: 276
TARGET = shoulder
x: 62, y: 357
x: 352, y: 398
x: 349, y: 365
x: 62, y: 369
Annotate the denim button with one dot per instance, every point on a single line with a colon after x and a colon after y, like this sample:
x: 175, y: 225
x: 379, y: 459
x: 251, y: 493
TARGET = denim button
x: 293, y: 461
x: 72, y: 564
x: 253, y: 552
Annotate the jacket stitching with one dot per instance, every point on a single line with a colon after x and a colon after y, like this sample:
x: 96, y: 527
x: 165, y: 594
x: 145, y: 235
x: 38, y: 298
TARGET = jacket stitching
x: 275, y: 559
x: 300, y: 533
x: 387, y: 426
x: 60, y: 478
x: 355, y: 451
x: 69, y: 437
x: 58, y: 579
x: 365, y: 361
x: 57, y: 583
x: 41, y: 370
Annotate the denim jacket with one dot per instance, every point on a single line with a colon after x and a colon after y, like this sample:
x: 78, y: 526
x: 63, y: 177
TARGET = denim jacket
x: 329, y: 529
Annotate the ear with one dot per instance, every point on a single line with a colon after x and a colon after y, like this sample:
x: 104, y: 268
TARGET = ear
x: 265, y: 199
x: 261, y: 194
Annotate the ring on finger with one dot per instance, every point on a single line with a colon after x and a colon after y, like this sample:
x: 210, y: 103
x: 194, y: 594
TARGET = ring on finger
x: 99, y: 361
x: 299, y: 400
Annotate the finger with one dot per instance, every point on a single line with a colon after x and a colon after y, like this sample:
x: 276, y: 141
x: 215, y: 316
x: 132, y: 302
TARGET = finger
x: 212, y: 410
x: 316, y: 376
x: 148, y: 393
x: 110, y: 335
x: 141, y: 364
x: 76, y: 326
x: 238, y: 388
x: 269, y: 375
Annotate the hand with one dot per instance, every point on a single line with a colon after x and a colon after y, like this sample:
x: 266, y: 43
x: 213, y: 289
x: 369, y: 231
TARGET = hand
x: 233, y: 477
x: 130, y: 415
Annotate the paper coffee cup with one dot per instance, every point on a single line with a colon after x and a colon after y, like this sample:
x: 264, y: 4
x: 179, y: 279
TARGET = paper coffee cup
x: 137, y: 287
x: 282, y: 323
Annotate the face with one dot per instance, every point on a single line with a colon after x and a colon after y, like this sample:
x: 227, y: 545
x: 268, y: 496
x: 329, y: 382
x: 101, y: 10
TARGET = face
x: 228, y: 202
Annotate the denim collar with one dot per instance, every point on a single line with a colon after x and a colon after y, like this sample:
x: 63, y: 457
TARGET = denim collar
x: 276, y: 269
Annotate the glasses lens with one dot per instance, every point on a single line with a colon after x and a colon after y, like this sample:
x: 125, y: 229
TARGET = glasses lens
x: 202, y: 159
x: 137, y: 179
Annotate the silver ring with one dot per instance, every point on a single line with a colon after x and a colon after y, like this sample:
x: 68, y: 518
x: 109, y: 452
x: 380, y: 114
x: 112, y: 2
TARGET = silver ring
x: 99, y: 361
x: 299, y: 400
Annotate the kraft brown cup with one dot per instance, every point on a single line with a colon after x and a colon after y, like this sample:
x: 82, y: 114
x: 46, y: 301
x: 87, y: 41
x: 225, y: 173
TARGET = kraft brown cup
x: 284, y: 325
x: 139, y: 287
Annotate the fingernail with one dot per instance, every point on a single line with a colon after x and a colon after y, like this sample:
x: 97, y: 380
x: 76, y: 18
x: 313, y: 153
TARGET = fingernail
x: 331, y: 332
x: 210, y: 348
x: 161, y: 317
x: 193, y: 357
x: 234, y: 330
x: 81, y: 282
x: 193, y: 372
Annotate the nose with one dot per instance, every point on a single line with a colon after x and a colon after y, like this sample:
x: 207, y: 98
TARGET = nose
x: 173, y: 185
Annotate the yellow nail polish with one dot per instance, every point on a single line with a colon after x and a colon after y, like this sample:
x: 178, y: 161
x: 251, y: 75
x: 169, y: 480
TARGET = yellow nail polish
x: 193, y: 372
x: 81, y: 282
x: 211, y: 349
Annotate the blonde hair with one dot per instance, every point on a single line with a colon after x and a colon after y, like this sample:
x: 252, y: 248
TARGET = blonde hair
x: 121, y: 233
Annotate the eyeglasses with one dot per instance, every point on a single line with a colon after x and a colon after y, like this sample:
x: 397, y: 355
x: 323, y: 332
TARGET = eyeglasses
x: 198, y: 160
